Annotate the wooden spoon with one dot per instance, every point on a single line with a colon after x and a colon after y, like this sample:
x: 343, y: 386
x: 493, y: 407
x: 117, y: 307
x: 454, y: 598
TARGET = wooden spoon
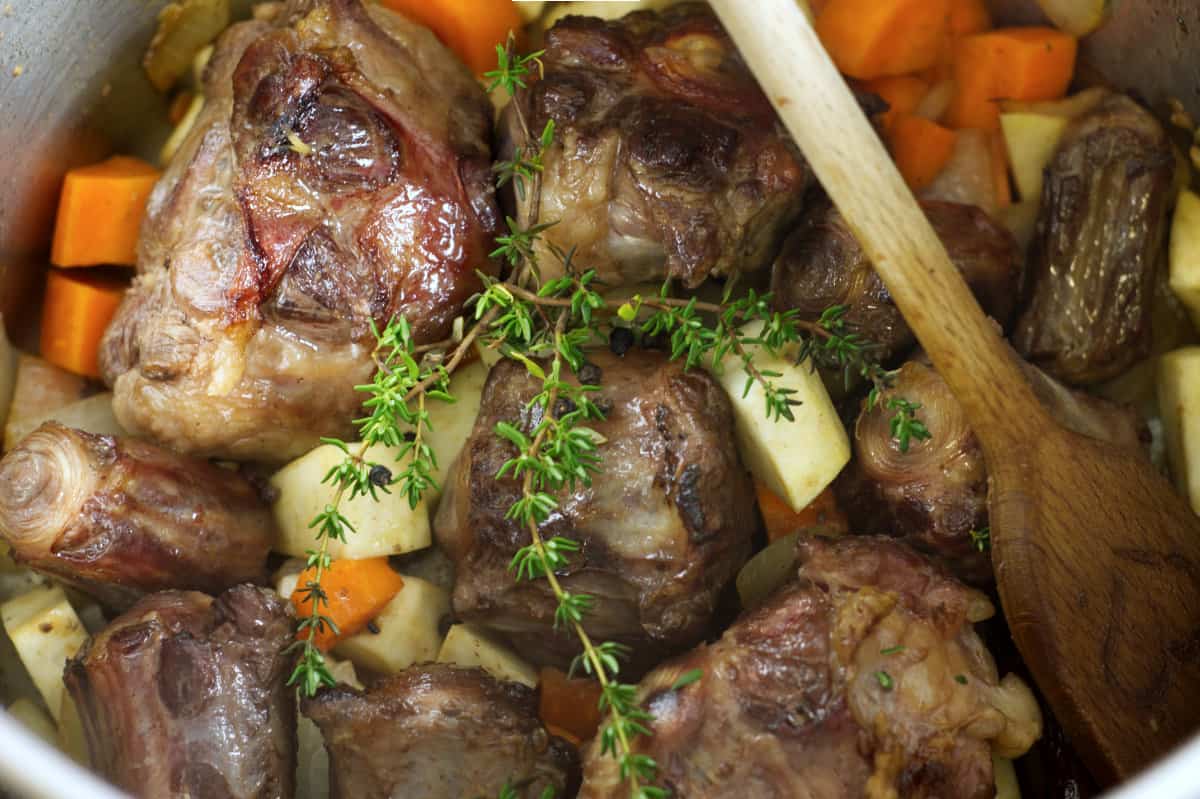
x: 1097, y: 558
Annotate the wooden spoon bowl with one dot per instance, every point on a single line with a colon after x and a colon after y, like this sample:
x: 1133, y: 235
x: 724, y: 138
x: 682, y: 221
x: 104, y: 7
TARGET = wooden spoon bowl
x: 1097, y: 558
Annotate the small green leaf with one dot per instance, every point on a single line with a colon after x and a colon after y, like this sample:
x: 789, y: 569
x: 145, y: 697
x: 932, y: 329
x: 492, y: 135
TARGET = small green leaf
x: 687, y: 678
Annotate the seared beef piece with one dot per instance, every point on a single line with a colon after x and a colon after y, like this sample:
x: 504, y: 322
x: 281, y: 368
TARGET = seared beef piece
x: 121, y: 518
x: 822, y: 265
x: 1098, y: 245
x: 440, y: 732
x: 935, y: 495
x: 865, y: 678
x: 663, y: 528
x: 185, y: 696
x: 667, y: 158
x: 339, y: 173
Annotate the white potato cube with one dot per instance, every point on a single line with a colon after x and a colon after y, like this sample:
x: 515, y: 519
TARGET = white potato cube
x: 46, y: 632
x: 1179, y: 404
x: 1032, y: 140
x: 408, y: 630
x: 35, y: 719
x: 451, y: 423
x: 384, y: 527
x: 1185, y: 253
x: 466, y: 645
x: 795, y: 459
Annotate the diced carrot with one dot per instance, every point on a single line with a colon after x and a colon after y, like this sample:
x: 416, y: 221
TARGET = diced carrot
x: 968, y: 17
x: 570, y: 705
x: 471, y: 28
x: 1008, y: 64
x: 902, y: 93
x: 781, y: 520
x: 100, y: 212
x: 1000, y: 169
x: 77, y: 309
x: 875, y: 38
x: 920, y: 148
x: 358, y: 590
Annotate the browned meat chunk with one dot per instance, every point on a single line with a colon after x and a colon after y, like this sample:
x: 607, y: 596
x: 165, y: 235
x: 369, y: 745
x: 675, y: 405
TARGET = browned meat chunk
x: 822, y: 265
x: 185, y: 696
x: 667, y: 160
x: 440, y: 732
x: 934, y: 496
x: 121, y: 518
x: 338, y: 174
x: 864, y: 679
x: 663, y: 528
x: 1098, y: 244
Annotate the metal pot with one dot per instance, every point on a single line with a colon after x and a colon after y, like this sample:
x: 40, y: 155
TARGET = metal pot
x: 72, y: 91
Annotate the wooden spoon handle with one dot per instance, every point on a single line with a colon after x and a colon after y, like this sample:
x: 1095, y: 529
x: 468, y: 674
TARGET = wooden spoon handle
x: 778, y: 41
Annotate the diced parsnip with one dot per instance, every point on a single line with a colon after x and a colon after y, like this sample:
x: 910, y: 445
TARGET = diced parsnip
x: 181, y: 130
x: 184, y: 28
x: 1032, y: 139
x: 1179, y: 404
x: 35, y: 719
x: 71, y: 738
x: 451, y: 423
x: 387, y: 526
x: 1069, y: 107
x: 312, y: 761
x: 1005, y: 776
x: 1077, y: 17
x: 408, y: 630
x: 767, y: 570
x: 1185, y: 253
x: 465, y: 645
x: 41, y: 387
x: 795, y: 459
x: 46, y: 632
x: 8, y: 372
x: 92, y: 415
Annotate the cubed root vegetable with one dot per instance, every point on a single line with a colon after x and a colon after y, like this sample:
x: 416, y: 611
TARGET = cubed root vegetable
x: 77, y: 309
x: 902, y: 93
x: 920, y: 148
x: 471, y: 28
x: 1010, y: 63
x: 45, y: 632
x: 406, y: 632
x: 1179, y: 404
x: 1031, y: 140
x: 100, y: 212
x: 780, y: 520
x: 875, y: 38
x: 1185, y: 253
x: 466, y: 645
x: 357, y: 591
x: 570, y: 705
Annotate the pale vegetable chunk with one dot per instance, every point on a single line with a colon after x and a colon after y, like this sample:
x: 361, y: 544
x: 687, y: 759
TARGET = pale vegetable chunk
x: 450, y: 422
x: 388, y: 526
x: 408, y: 630
x: 1005, y: 777
x: 1077, y: 17
x: 1179, y: 404
x: 40, y: 388
x: 1185, y: 253
x: 1032, y: 139
x: 46, y: 632
x: 35, y: 719
x: 604, y: 9
x: 467, y: 646
x: 795, y: 459
x: 92, y: 415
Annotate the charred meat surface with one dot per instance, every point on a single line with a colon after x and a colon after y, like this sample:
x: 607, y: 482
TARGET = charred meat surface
x: 339, y: 173
x: 663, y: 527
x: 863, y: 679
x: 934, y: 496
x: 184, y: 696
x: 121, y: 518
x: 822, y: 265
x: 1098, y: 245
x: 440, y: 732
x: 667, y: 161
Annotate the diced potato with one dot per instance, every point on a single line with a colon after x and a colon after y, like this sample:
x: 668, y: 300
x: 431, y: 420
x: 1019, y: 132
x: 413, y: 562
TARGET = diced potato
x: 40, y: 388
x: 408, y: 630
x: 35, y: 719
x: 46, y: 632
x: 1005, y: 777
x: 465, y: 645
x: 92, y: 415
x: 1179, y: 403
x: 451, y: 423
x: 1185, y: 253
x: 1032, y: 140
x: 8, y: 372
x: 384, y: 527
x: 795, y: 459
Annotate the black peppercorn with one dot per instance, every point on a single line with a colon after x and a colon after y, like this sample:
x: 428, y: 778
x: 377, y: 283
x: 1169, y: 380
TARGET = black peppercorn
x: 620, y: 340
x: 381, y: 475
x: 589, y: 374
x: 563, y: 406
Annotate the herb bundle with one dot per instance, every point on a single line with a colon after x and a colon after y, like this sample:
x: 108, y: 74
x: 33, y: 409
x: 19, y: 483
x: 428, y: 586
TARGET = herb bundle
x: 545, y: 325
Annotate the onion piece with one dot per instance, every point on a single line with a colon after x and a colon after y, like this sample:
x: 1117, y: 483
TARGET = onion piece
x: 936, y: 102
x: 967, y: 176
x: 1077, y: 17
